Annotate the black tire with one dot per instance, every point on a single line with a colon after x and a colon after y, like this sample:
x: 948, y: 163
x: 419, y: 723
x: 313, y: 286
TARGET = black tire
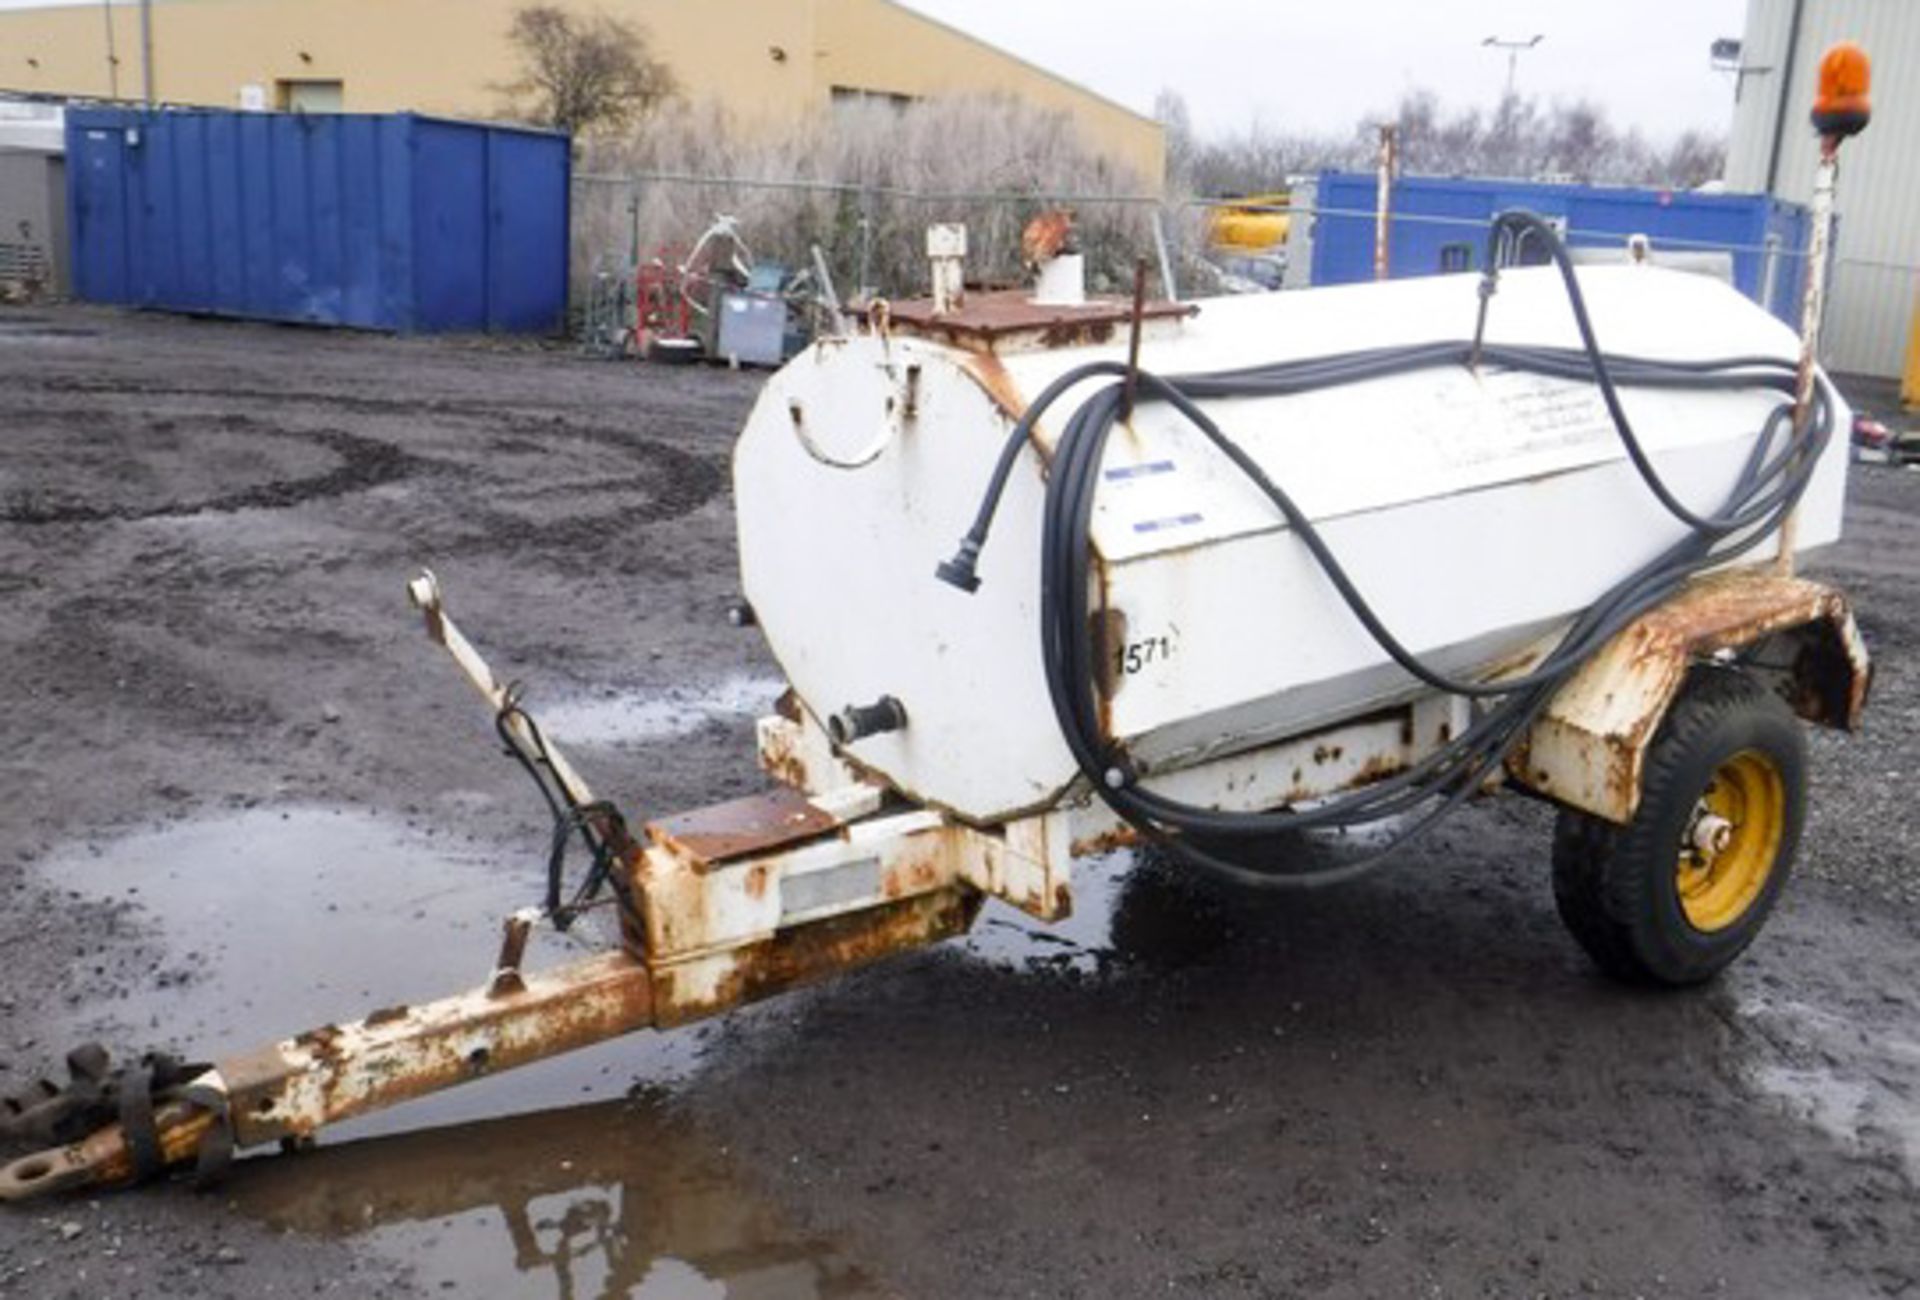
x: 1619, y: 888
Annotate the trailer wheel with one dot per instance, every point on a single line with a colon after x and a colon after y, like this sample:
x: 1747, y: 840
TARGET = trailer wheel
x: 1673, y: 897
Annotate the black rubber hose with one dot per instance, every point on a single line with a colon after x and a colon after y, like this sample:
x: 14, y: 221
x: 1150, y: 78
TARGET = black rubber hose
x: 1768, y: 485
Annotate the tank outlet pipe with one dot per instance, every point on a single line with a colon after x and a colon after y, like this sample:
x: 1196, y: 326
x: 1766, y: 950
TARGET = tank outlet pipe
x: 858, y: 721
x: 1840, y: 109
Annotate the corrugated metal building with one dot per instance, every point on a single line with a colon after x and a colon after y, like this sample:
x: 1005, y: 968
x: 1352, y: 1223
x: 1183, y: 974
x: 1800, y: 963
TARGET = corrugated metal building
x: 1871, y: 313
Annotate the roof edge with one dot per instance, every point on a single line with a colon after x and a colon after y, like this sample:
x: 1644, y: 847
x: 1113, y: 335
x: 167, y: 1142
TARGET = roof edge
x: 1023, y: 61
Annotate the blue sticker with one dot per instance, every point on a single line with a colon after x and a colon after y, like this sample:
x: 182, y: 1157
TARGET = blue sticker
x: 1162, y: 525
x: 1121, y: 473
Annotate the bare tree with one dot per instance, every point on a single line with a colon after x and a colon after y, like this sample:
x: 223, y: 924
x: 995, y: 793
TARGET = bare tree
x: 1694, y: 159
x: 1017, y: 158
x: 1176, y: 124
x: 583, y: 73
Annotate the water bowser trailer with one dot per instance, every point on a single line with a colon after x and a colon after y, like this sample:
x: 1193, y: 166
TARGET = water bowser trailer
x: 1050, y: 573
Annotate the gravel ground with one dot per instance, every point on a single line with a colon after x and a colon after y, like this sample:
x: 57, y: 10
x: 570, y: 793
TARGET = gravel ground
x: 228, y: 745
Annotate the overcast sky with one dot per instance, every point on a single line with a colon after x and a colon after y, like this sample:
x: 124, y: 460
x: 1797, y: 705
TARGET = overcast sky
x: 1321, y: 65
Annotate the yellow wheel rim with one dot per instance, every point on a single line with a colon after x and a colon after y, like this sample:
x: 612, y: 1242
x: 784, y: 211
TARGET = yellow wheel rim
x: 1729, y: 846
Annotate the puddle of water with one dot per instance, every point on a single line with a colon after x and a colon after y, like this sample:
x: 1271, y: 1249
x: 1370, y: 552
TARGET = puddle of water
x: 1138, y: 908
x: 638, y: 718
x: 23, y: 330
x: 280, y: 920
x: 1848, y: 1080
x: 276, y: 920
x: 615, y: 1199
x: 1128, y: 909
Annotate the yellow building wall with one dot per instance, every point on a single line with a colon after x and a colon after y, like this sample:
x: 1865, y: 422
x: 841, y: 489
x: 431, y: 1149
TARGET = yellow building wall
x: 766, y: 60
x: 433, y: 56
x: 876, y: 45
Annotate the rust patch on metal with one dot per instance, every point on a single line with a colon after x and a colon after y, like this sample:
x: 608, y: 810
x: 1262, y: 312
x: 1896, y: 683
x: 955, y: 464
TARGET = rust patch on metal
x: 1108, y: 634
x: 337, y: 1071
x: 805, y: 953
x: 1120, y: 837
x: 1733, y: 609
x: 988, y: 317
x: 1068, y: 334
x: 1378, y: 768
x: 1588, y: 749
x: 986, y: 370
x: 739, y: 828
x: 782, y: 756
x: 788, y: 705
x: 914, y: 875
x: 784, y: 766
x: 322, y: 1042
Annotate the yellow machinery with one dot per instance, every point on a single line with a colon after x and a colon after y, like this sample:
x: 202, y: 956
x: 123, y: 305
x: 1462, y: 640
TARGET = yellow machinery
x: 1257, y: 223
x: 1910, y: 380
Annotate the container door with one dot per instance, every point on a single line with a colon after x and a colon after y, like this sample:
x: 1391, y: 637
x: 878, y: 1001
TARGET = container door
x: 527, y: 198
x: 98, y: 213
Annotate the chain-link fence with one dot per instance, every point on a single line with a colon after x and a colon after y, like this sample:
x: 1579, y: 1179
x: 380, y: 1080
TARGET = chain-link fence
x: 872, y: 239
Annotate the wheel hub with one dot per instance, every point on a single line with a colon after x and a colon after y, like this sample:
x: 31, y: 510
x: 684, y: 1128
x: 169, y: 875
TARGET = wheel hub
x: 1729, y: 847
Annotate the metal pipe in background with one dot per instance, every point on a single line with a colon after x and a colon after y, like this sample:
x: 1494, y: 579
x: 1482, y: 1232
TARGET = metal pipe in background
x: 1169, y: 289
x: 1812, y: 308
x: 113, y: 57
x: 1383, y: 202
x: 1770, y: 274
x: 146, y: 51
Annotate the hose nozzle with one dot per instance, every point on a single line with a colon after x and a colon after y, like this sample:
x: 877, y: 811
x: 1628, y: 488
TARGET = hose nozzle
x: 959, y: 570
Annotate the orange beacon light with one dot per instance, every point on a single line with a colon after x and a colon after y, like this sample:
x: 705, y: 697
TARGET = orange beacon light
x: 1840, y: 105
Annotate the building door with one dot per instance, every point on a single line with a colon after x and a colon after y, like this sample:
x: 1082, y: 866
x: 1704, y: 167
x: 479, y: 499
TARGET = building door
x: 312, y: 96
x: 98, y: 169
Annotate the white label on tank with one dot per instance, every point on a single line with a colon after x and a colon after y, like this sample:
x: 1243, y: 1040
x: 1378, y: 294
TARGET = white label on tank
x: 1506, y: 418
x: 1555, y: 413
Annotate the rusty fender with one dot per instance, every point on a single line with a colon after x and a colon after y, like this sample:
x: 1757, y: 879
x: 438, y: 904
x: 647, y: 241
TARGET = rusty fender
x: 1588, y: 749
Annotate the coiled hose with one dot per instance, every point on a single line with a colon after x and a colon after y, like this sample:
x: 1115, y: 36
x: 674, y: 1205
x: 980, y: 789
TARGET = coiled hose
x: 1239, y: 845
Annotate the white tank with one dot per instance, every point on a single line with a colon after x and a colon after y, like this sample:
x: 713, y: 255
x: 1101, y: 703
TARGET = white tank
x: 1475, y: 511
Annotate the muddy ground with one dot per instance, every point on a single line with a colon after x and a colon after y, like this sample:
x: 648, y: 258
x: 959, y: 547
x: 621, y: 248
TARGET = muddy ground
x: 242, y: 794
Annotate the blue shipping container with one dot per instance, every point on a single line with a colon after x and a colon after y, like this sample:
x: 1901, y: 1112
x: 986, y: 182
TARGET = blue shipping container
x: 389, y: 222
x: 1767, y: 238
